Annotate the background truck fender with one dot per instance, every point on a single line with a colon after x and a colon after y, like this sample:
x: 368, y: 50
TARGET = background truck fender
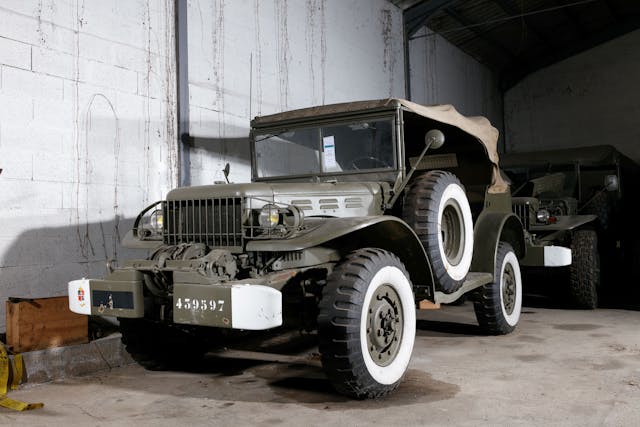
x: 490, y: 229
x: 347, y: 234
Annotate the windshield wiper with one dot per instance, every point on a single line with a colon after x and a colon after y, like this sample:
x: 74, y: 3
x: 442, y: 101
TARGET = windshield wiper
x: 272, y: 135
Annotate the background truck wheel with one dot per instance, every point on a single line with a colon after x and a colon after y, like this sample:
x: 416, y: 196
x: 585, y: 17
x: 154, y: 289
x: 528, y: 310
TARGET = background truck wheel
x: 600, y: 207
x: 367, y: 323
x: 156, y: 346
x: 437, y: 209
x: 498, y: 304
x: 584, y: 271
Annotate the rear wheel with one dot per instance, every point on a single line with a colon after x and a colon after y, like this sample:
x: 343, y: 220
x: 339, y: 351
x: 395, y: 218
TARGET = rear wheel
x: 498, y: 304
x: 584, y: 272
x: 437, y: 209
x: 367, y: 324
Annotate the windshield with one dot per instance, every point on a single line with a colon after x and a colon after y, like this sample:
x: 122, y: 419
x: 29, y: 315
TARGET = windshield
x: 543, y: 181
x: 347, y: 147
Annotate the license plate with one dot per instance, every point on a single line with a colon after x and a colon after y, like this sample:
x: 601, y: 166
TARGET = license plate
x: 207, y: 305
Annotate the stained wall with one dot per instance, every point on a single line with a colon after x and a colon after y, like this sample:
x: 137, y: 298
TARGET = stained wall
x: 88, y: 133
x: 441, y: 73
x: 257, y: 57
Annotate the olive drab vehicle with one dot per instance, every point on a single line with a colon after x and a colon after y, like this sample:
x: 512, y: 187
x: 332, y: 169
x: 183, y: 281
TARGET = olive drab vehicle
x: 578, y: 207
x: 357, y: 215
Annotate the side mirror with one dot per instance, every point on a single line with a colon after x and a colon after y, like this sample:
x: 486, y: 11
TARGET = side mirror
x: 434, y: 139
x: 226, y: 170
x: 611, y: 183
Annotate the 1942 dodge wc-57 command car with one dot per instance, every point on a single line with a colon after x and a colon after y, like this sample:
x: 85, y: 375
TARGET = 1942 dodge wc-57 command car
x: 356, y: 216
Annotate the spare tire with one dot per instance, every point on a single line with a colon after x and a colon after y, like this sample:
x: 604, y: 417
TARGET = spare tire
x: 437, y: 208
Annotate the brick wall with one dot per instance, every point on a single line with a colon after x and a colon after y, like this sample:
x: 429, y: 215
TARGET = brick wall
x: 88, y: 104
x: 87, y: 134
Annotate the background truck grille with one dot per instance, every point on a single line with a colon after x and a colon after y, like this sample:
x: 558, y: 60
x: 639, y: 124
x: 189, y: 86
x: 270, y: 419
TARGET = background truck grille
x: 523, y: 209
x: 214, y: 222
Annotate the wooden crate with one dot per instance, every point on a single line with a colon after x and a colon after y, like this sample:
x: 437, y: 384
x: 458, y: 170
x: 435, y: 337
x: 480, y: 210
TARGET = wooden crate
x: 40, y: 323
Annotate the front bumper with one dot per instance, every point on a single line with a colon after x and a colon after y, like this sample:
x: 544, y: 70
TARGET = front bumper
x: 547, y: 256
x: 232, y: 305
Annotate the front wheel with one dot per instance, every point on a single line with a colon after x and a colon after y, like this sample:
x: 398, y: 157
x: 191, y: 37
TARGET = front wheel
x: 498, y: 304
x: 367, y: 323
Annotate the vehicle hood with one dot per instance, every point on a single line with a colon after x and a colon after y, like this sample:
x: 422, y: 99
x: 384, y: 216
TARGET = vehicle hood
x: 342, y: 199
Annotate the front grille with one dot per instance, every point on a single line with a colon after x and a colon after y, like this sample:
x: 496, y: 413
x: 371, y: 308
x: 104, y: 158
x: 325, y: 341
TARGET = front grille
x: 214, y: 222
x: 523, y: 211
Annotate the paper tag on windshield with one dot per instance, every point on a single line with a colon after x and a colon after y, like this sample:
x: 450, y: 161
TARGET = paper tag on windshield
x: 329, y: 152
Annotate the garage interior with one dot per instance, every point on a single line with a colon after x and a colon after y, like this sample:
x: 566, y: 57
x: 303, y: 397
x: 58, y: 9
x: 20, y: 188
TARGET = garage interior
x: 107, y: 106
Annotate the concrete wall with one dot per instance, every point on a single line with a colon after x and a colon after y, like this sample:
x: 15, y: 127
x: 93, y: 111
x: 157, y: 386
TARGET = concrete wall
x: 256, y: 57
x: 88, y: 105
x: 87, y: 131
x: 588, y: 99
x: 443, y: 74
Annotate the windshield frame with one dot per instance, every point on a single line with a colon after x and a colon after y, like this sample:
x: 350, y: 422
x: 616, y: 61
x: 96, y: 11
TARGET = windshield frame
x: 278, y: 128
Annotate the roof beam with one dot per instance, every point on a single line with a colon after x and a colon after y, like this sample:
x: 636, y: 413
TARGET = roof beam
x: 572, y: 18
x: 512, y: 11
x: 472, y: 26
x: 417, y: 16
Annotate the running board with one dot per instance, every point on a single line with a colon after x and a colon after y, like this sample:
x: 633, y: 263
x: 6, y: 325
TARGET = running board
x: 312, y: 359
x: 473, y: 281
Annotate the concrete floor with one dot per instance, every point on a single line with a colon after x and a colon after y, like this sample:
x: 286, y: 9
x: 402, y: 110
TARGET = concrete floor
x: 560, y: 367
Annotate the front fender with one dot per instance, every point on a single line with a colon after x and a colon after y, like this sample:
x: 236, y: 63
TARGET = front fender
x: 347, y: 234
x: 490, y: 229
x: 565, y: 222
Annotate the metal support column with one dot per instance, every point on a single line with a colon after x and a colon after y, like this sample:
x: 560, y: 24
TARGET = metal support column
x: 182, y: 76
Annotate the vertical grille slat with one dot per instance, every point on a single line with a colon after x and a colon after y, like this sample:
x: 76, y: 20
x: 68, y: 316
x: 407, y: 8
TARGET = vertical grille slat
x: 206, y: 221
x: 226, y: 215
x: 523, y: 211
x: 219, y: 236
x: 214, y: 222
x: 175, y: 222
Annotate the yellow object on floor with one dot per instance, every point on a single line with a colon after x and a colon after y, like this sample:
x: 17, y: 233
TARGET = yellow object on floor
x: 16, y: 368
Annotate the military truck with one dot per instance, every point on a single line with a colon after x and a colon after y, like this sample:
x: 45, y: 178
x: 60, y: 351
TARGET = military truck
x: 578, y: 213
x: 356, y: 215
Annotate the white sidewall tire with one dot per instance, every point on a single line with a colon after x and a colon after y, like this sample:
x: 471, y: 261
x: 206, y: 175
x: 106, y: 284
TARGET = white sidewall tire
x: 456, y: 193
x: 393, y: 372
x: 511, y: 319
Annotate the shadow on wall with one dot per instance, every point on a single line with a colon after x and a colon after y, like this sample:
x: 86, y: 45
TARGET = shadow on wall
x: 207, y: 156
x: 40, y: 262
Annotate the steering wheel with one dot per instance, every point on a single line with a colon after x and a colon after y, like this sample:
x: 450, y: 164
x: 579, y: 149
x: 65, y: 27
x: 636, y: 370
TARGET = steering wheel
x: 374, y: 160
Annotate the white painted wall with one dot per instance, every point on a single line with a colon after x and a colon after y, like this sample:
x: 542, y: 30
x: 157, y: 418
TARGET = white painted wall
x: 589, y: 99
x: 253, y: 57
x: 441, y: 73
x: 88, y: 105
x: 87, y: 134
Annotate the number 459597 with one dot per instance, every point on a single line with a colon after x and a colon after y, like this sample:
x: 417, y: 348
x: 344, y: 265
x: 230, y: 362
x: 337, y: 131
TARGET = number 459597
x: 199, y: 304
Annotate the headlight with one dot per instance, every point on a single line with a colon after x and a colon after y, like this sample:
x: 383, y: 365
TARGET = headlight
x: 156, y: 221
x: 543, y: 216
x: 269, y: 216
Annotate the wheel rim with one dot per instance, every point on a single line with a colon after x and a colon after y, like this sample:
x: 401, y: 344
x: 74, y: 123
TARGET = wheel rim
x: 452, y: 232
x: 509, y: 289
x: 384, y: 325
